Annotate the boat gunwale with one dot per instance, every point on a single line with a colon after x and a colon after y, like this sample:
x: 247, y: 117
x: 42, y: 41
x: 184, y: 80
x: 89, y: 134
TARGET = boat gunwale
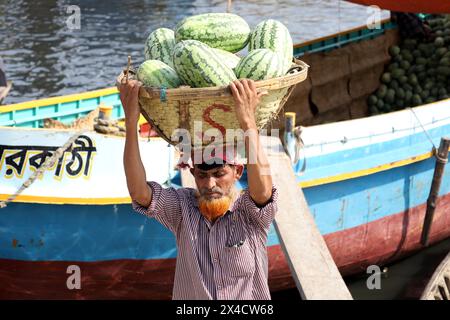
x: 427, y: 108
x: 336, y: 35
x: 74, y: 131
x: 59, y: 99
x: 373, y: 119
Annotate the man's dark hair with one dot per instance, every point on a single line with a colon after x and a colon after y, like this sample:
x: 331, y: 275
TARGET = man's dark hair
x: 212, y: 164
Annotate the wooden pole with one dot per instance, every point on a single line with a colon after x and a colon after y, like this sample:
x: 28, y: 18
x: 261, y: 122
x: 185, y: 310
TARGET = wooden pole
x: 441, y: 160
x: 229, y: 6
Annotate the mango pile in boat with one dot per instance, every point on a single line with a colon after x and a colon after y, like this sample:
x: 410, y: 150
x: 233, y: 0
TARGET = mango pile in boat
x: 419, y: 71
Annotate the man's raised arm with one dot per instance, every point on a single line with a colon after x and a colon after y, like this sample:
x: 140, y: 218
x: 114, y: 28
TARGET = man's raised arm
x: 258, y: 170
x: 134, y: 169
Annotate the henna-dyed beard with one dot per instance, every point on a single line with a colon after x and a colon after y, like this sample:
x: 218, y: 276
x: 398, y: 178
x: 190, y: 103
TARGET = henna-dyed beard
x: 214, y: 206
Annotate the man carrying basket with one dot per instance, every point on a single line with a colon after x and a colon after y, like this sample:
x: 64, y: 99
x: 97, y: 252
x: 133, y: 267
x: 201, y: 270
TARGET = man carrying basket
x: 220, y: 234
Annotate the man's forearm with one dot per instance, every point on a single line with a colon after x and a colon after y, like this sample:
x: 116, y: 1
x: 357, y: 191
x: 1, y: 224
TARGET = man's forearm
x: 134, y: 169
x: 258, y: 168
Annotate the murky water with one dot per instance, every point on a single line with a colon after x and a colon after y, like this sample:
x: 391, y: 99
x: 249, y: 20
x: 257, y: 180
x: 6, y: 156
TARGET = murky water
x: 403, y: 280
x: 45, y: 58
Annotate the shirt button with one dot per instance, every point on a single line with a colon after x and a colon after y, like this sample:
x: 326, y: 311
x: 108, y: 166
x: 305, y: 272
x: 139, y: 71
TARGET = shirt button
x: 215, y: 260
x: 219, y: 287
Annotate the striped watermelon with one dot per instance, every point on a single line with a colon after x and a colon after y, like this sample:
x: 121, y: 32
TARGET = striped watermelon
x: 224, y: 31
x: 198, y: 66
x: 229, y: 59
x: 159, y: 46
x: 260, y: 64
x: 155, y: 73
x: 272, y: 34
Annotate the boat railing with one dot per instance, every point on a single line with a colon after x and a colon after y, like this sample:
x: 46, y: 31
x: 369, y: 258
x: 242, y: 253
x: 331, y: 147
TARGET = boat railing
x: 337, y: 40
x: 66, y: 109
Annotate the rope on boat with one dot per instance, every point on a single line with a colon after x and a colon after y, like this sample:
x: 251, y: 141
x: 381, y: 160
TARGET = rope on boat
x: 49, y: 162
x: 424, y: 130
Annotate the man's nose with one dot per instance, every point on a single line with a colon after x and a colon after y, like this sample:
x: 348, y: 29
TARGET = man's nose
x: 210, y: 183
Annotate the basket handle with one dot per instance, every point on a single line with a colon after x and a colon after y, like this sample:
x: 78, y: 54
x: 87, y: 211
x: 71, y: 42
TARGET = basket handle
x: 302, y: 64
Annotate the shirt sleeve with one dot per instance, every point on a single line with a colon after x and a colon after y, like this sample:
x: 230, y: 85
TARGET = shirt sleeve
x: 262, y: 216
x: 165, y: 206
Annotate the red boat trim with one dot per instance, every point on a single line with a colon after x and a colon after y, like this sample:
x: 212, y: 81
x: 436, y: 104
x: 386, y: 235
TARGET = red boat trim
x: 416, y: 6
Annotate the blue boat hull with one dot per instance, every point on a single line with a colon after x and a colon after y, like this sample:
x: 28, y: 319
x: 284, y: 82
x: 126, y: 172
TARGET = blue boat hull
x: 118, y: 250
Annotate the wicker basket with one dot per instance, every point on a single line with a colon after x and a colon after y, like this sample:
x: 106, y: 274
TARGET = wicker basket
x: 170, y: 109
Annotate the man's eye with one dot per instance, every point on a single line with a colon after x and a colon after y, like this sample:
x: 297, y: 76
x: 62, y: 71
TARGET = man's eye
x: 219, y: 174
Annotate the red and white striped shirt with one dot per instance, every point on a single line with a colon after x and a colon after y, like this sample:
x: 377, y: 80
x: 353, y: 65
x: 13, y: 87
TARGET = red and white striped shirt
x: 224, y: 260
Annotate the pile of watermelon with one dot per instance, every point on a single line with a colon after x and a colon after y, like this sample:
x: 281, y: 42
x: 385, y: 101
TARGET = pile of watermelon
x: 201, y: 52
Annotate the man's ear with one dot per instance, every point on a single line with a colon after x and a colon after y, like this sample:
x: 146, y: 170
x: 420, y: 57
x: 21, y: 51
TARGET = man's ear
x: 239, y: 171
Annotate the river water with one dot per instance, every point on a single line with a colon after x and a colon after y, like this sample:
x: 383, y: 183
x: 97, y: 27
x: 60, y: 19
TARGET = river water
x: 403, y: 280
x: 44, y: 57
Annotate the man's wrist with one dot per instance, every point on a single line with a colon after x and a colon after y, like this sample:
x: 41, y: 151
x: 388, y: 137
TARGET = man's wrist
x: 249, y: 126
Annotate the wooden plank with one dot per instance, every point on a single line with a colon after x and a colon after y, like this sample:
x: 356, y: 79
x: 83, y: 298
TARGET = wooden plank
x: 313, y: 269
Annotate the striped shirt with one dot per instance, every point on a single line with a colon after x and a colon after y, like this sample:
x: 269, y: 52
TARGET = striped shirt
x: 224, y: 260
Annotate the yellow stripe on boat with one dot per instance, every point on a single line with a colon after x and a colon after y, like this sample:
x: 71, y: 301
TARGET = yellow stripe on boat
x: 60, y: 99
x: 62, y: 200
x: 304, y: 184
x: 366, y: 172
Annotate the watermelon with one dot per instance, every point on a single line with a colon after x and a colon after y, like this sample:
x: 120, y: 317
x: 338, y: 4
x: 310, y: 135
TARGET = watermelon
x: 155, y: 73
x: 272, y: 34
x: 260, y: 64
x: 159, y: 46
x: 224, y: 31
x: 198, y: 66
x: 229, y: 59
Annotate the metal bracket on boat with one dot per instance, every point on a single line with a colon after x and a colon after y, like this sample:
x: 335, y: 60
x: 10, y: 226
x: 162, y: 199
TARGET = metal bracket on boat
x: 292, y: 140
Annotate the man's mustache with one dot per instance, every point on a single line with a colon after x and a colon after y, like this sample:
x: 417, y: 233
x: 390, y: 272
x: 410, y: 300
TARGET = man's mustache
x: 206, y: 192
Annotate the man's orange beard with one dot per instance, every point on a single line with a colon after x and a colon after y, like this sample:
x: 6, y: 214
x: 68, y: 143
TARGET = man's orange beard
x: 213, y: 208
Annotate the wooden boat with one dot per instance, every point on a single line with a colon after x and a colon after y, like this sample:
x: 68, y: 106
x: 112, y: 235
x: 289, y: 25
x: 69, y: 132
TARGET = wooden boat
x: 366, y: 182
x: 4, y: 91
x: 438, y: 288
x: 417, y: 6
